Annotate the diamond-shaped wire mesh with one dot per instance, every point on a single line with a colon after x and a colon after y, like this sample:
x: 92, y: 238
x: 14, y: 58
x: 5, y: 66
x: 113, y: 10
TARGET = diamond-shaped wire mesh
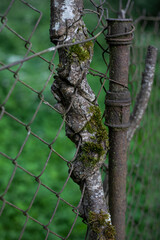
x: 39, y: 200
x: 143, y: 159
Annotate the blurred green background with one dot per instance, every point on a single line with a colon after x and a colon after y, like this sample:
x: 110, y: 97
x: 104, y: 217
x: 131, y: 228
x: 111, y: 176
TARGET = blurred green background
x: 22, y: 103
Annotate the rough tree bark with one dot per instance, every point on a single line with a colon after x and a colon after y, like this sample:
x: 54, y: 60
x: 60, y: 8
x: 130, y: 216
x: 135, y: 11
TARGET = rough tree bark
x: 77, y: 103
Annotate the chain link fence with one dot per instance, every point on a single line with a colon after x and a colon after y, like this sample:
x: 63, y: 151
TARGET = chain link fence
x: 143, y: 158
x: 39, y: 200
x: 36, y: 189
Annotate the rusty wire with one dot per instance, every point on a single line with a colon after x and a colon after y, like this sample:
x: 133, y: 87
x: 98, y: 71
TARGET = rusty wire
x: 15, y: 69
x: 148, y: 134
x: 143, y: 165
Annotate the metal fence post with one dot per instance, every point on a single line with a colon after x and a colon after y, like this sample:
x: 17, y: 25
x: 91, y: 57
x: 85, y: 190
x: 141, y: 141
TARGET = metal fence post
x: 117, y: 114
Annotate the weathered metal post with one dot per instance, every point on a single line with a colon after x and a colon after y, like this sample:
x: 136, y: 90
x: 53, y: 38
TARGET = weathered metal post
x: 117, y: 118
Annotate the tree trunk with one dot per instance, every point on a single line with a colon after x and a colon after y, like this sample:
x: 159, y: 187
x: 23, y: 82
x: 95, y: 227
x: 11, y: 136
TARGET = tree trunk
x: 77, y: 103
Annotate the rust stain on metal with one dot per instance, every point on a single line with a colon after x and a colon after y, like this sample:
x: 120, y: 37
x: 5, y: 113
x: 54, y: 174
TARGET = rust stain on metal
x: 117, y: 118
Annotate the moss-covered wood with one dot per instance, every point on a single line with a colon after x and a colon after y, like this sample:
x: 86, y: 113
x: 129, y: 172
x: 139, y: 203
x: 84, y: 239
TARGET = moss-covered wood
x: 100, y: 224
x: 95, y: 149
x: 81, y: 51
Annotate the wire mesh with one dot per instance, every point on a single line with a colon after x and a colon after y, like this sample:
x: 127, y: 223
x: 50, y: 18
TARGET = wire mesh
x: 38, y: 197
x: 143, y: 164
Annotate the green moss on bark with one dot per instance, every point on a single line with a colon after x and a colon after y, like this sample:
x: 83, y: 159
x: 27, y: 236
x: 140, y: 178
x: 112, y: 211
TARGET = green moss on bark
x: 96, y: 125
x: 100, y: 224
x: 93, y: 147
x: 94, y: 150
x: 82, y: 51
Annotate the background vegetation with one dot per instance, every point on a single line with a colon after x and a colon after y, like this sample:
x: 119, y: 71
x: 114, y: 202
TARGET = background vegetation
x: 22, y: 104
